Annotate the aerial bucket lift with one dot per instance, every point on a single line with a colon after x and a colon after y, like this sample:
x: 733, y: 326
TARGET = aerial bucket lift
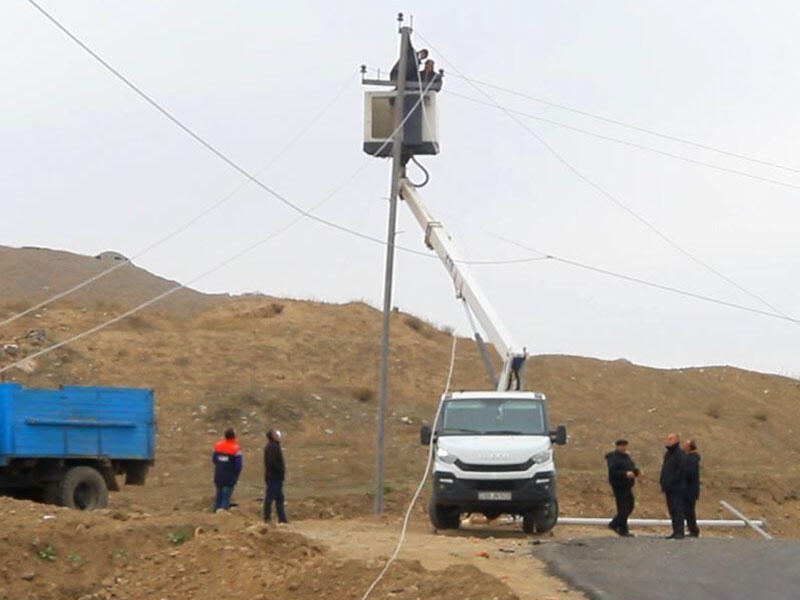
x: 493, y: 450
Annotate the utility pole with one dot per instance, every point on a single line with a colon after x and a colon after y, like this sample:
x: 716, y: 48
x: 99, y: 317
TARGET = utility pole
x: 398, y: 169
x: 414, y: 132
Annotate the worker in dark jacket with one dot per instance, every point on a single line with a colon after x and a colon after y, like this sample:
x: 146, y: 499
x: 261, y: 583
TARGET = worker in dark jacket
x: 673, y: 483
x: 274, y: 474
x: 692, y: 492
x: 228, y: 462
x: 622, y: 474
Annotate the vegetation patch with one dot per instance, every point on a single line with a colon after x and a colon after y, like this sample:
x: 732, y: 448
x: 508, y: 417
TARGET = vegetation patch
x: 422, y: 327
x: 365, y: 395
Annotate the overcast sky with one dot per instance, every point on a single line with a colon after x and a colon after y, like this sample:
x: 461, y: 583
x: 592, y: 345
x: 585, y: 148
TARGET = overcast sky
x: 87, y: 166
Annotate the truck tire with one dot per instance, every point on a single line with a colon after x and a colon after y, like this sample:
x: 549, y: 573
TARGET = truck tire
x: 528, y: 522
x: 443, y: 517
x: 83, y: 488
x: 136, y: 472
x: 545, y: 516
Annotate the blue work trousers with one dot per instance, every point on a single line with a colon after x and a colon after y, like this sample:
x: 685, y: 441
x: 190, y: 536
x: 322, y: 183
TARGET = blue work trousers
x: 223, y: 497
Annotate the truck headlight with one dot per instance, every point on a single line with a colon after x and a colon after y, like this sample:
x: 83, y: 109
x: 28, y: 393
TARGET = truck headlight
x: 445, y: 456
x: 541, y: 457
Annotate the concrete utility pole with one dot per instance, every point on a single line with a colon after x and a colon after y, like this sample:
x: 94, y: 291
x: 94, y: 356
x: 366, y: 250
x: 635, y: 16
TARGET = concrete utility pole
x: 398, y: 169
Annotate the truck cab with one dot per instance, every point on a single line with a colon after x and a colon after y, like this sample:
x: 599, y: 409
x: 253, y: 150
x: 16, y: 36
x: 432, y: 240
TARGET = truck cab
x: 493, y: 454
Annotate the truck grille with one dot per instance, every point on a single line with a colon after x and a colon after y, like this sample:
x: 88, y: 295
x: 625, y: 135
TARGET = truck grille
x: 495, y: 468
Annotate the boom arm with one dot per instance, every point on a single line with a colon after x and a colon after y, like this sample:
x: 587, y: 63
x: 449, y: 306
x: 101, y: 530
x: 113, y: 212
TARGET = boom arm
x: 467, y: 289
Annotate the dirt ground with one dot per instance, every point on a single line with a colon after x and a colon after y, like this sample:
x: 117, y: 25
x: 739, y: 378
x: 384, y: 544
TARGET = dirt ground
x: 310, y: 368
x: 54, y: 553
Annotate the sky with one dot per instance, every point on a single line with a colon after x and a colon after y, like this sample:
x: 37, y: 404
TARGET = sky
x: 526, y: 168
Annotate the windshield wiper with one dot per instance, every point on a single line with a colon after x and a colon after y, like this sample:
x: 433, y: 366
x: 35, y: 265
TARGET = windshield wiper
x: 459, y: 430
x: 505, y: 432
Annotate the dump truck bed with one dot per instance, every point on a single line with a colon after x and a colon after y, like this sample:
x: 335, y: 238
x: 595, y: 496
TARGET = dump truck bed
x: 74, y: 422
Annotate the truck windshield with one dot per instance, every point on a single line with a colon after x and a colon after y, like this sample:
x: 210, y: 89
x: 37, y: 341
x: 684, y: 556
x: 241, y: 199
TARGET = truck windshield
x: 492, y: 416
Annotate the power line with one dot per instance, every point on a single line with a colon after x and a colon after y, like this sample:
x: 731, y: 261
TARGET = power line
x: 660, y: 286
x: 301, y: 212
x: 628, y: 143
x: 200, y: 140
x: 608, y: 194
x: 673, y: 290
x: 172, y: 290
x: 189, y: 223
x: 630, y: 126
x: 307, y: 214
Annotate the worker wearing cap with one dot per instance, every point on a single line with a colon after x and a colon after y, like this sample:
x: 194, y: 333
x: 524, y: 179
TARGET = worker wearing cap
x: 274, y: 474
x: 622, y: 474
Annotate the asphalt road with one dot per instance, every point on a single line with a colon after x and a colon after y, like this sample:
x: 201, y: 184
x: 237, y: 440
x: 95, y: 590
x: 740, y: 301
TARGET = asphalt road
x: 650, y: 568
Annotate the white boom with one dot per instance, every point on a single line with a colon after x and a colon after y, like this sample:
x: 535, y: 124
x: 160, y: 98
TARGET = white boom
x: 467, y: 289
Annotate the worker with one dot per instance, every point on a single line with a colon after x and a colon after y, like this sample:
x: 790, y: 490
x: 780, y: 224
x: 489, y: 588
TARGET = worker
x: 228, y: 463
x: 622, y: 474
x: 673, y: 483
x: 692, y: 492
x: 428, y: 73
x: 413, y: 60
x: 274, y: 474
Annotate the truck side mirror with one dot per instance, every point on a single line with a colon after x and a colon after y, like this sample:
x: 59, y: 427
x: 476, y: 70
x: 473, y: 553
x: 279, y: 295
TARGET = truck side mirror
x: 559, y: 436
x: 425, y: 435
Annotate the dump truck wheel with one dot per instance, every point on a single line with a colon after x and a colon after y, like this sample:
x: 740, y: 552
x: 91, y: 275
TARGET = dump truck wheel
x: 83, y: 488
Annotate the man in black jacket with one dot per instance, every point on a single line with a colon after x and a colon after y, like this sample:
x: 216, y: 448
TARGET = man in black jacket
x: 692, y: 492
x: 274, y: 474
x: 622, y: 474
x: 673, y: 483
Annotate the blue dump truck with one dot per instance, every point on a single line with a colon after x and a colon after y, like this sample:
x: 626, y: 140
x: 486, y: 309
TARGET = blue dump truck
x: 67, y: 446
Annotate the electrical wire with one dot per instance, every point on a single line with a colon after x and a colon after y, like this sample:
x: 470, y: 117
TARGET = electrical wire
x: 644, y: 282
x: 189, y: 223
x: 195, y: 136
x: 630, y: 144
x: 613, y: 198
x: 415, y: 497
x: 306, y: 214
x: 172, y: 290
x: 425, y: 172
x: 666, y: 288
x: 665, y: 136
x: 302, y: 213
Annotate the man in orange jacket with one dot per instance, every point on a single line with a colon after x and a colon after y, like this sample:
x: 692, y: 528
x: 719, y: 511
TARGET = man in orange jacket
x: 228, y: 462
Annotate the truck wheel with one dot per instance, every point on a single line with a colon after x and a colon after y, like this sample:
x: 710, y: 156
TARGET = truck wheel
x: 83, y: 488
x: 443, y: 517
x: 545, y: 516
x: 527, y: 522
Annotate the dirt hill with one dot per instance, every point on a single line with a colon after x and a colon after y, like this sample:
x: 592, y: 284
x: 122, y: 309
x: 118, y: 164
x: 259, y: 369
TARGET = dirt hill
x: 31, y: 275
x: 311, y: 369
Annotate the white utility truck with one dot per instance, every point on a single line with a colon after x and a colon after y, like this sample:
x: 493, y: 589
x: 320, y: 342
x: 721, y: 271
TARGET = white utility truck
x: 493, y: 450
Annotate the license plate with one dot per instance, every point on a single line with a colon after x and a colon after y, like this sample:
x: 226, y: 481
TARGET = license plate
x: 494, y: 495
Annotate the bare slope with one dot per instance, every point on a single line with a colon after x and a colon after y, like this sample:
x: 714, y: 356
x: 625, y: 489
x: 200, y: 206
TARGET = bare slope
x: 31, y: 275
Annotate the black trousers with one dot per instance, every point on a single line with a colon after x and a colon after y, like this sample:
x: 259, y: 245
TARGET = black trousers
x: 625, y: 503
x: 274, y: 494
x: 675, y: 508
x: 690, y: 515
